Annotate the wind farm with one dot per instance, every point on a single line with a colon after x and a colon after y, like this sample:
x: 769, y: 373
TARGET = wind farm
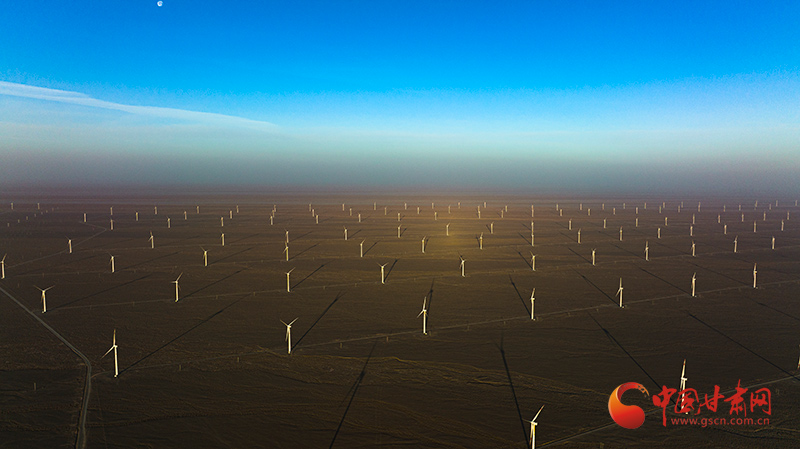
x: 222, y: 332
x: 586, y: 197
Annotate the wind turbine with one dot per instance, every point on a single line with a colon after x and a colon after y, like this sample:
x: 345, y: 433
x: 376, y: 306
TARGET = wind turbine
x: 169, y: 223
x: 137, y: 215
x: 361, y: 245
x: 694, y: 280
x: 205, y: 257
x: 533, y: 293
x: 288, y: 286
x: 593, y: 250
x: 69, y: 244
x: 113, y: 348
x: 462, y: 266
x: 3, y: 267
x: 533, y: 428
x: 773, y: 242
x: 491, y: 228
x: 620, y: 233
x: 619, y: 293
x: 424, y: 314
x: 693, y: 247
x: 423, y: 244
x: 725, y: 229
x: 533, y: 262
x: 152, y: 241
x: 289, y: 334
x: 754, y: 226
x: 177, y: 288
x: 683, y: 382
x: 447, y: 230
x: 579, y: 236
x: 383, y: 277
x: 569, y: 227
x: 398, y: 231
x: 84, y: 217
x: 44, y: 297
x: 755, y: 272
x: 221, y: 222
x: 691, y: 231
x: 111, y: 220
x: 659, y: 233
x: 222, y: 239
x: 646, y: 251
x: 185, y: 216
x: 112, y: 263
x: 345, y: 233
x: 735, y: 243
x: 286, y: 251
x: 480, y: 240
x: 155, y: 210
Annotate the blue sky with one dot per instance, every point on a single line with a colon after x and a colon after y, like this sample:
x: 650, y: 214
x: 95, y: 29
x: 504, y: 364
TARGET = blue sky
x: 547, y: 96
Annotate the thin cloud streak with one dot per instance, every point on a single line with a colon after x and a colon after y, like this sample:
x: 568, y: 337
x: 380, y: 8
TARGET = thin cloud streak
x: 77, y: 98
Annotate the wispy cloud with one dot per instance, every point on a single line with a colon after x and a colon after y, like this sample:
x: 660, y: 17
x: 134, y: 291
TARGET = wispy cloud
x: 77, y: 98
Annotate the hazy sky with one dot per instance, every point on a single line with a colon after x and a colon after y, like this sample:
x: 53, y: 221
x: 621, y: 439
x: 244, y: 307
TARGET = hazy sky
x: 543, y: 95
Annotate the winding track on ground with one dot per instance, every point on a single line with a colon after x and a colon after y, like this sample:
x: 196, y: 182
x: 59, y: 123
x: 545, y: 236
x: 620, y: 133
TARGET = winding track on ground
x: 80, y: 442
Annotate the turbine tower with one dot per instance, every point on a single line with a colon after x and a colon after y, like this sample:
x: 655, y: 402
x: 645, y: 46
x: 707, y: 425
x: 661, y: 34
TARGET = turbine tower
x: 533, y: 428
x: 114, y: 348
x: 289, y: 334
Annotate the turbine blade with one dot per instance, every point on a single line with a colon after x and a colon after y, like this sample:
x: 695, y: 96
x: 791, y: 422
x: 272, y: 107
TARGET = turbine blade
x: 537, y: 414
x: 293, y: 321
x: 109, y: 350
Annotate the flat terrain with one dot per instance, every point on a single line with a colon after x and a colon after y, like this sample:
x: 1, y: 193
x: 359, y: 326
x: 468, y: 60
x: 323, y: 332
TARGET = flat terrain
x: 212, y: 369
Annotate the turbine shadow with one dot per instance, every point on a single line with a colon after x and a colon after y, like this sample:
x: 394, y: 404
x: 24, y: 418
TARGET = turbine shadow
x: 663, y: 280
x: 595, y: 286
x: 102, y: 291
x: 513, y: 391
x: 304, y: 251
x: 579, y: 255
x: 370, y: 248
x: 183, y: 334
x: 527, y: 240
x: 527, y: 310
x: 354, y: 234
x: 318, y: 318
x: 614, y: 340
x: 527, y: 261
x: 150, y: 260
x: 213, y: 283
x: 308, y: 276
x: 354, y: 390
x: 231, y: 255
x: 386, y: 278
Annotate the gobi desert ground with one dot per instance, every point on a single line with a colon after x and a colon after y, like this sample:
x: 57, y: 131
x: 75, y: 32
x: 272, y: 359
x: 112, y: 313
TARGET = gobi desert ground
x: 212, y: 369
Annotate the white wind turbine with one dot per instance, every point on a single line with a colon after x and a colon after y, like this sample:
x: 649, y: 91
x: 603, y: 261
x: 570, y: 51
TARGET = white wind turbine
x: 112, y: 263
x: 447, y: 230
x: 69, y: 245
x: 579, y: 236
x: 480, y: 240
x: 424, y: 314
x: 289, y: 334
x: 44, y: 297
x: 569, y: 227
x: 383, y: 276
x: 169, y: 223
x: 462, y: 266
x: 398, y: 231
x: 423, y: 244
x: 137, y: 215
x: 152, y: 241
x: 755, y: 272
x: 773, y: 242
x: 620, y: 233
x: 222, y: 239
x: 205, y: 256
x: 221, y: 222
x: 533, y: 262
x: 345, y: 233
x: 683, y: 380
x: 694, y: 280
x: 286, y: 251
x: 111, y: 220
x: 155, y: 210
x: 84, y: 217
x: 288, y: 285
x: 533, y: 300
x: 533, y: 428
x: 185, y: 216
x: 177, y: 288
x: 113, y: 348
x: 361, y: 246
x: 646, y: 250
x: 593, y: 250
x: 693, y: 248
x: 735, y: 243
x: 3, y: 267
x: 619, y: 293
x: 491, y: 228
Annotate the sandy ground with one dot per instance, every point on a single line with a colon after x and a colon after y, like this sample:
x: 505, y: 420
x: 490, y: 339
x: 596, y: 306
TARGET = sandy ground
x: 212, y: 369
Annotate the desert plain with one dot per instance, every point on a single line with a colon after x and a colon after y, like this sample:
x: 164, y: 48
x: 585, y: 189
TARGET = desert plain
x: 212, y: 368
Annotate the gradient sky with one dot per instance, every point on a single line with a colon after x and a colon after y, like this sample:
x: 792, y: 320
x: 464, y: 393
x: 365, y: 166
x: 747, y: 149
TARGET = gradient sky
x: 540, y: 96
